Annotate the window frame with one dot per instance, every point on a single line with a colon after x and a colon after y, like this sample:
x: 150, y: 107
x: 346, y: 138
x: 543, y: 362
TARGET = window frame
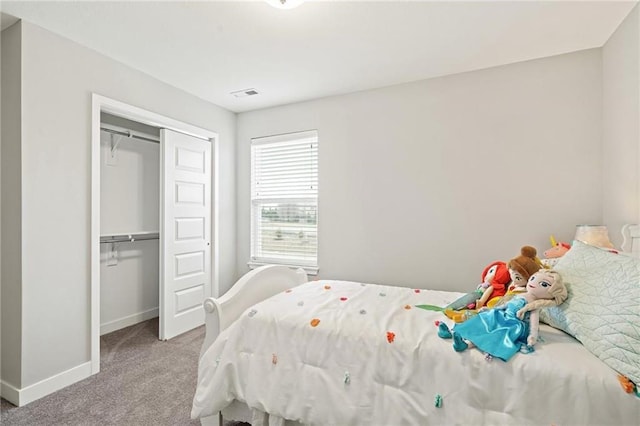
x: 311, y: 267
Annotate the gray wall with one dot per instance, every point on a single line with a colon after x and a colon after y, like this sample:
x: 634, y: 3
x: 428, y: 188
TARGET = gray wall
x: 621, y: 133
x: 449, y: 173
x: 423, y: 184
x: 11, y: 223
x: 58, y: 78
x: 1, y: 15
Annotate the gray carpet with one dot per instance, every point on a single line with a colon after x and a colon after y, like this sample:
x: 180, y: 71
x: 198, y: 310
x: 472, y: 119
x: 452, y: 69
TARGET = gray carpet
x: 142, y: 381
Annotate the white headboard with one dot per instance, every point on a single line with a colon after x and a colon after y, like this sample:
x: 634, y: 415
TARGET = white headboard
x: 631, y: 239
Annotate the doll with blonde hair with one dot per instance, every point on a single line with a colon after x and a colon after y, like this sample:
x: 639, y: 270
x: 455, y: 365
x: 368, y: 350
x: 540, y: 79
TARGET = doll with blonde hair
x: 501, y: 332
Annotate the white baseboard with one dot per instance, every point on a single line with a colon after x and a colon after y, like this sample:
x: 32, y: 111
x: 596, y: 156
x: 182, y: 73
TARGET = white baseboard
x: 10, y: 393
x: 114, y: 325
x: 45, y: 387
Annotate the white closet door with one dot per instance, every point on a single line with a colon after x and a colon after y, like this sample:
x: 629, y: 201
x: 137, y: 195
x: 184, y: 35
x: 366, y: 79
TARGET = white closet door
x: 185, y: 223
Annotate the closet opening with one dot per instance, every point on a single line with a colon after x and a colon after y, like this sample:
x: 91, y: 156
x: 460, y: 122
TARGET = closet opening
x: 129, y: 222
x: 153, y: 221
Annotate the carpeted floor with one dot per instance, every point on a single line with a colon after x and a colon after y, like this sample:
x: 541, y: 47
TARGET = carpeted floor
x: 142, y: 381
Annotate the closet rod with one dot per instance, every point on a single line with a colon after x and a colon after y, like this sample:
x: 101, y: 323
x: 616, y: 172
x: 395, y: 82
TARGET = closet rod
x: 129, y: 238
x: 129, y: 134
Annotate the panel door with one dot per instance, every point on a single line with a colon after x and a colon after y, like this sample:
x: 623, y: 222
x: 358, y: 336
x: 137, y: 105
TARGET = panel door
x: 185, y: 238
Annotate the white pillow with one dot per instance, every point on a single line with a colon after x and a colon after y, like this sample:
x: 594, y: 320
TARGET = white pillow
x: 602, y: 309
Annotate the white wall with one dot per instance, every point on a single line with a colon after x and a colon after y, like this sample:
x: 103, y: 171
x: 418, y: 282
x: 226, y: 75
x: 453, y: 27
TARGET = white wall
x: 58, y: 78
x: 129, y: 290
x: 621, y: 134
x: 130, y: 186
x: 11, y: 210
x: 423, y: 184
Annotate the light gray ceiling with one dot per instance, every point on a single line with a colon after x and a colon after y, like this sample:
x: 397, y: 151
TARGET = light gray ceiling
x: 321, y: 48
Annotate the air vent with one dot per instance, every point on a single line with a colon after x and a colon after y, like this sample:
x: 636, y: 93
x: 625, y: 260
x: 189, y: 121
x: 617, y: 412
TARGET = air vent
x: 244, y: 93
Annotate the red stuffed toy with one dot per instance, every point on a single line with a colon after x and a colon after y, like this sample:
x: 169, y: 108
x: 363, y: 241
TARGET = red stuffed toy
x: 495, y: 279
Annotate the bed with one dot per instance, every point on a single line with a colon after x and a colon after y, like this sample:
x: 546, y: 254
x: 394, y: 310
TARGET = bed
x: 281, y: 350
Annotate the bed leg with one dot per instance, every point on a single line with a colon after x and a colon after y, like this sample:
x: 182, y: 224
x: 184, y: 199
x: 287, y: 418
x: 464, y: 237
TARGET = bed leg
x: 215, y: 420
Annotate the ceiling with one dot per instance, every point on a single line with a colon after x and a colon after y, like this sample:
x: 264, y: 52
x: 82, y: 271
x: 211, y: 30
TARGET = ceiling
x: 321, y: 48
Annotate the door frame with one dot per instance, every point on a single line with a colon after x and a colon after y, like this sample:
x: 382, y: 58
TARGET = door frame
x: 100, y: 104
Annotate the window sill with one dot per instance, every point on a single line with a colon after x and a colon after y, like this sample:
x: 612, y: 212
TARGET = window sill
x: 310, y: 270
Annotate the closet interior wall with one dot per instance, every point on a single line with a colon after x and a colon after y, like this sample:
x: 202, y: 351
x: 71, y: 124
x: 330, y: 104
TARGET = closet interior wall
x: 129, y: 204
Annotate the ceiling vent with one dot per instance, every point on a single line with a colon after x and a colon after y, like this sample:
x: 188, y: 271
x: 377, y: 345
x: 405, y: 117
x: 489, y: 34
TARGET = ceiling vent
x: 244, y: 93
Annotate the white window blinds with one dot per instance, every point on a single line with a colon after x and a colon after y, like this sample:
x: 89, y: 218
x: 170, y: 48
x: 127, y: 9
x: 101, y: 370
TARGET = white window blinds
x: 284, y: 199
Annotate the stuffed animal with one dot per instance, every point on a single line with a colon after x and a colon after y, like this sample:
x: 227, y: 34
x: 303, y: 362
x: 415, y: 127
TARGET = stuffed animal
x: 523, y: 266
x: 520, y: 269
x: 495, y: 278
x: 504, y: 331
x: 556, y: 251
x: 497, y: 284
x: 552, y: 255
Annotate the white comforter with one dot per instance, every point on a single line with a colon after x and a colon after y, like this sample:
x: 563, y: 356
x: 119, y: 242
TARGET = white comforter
x: 373, y: 358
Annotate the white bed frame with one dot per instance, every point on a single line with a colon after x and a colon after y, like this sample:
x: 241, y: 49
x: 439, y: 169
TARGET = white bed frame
x: 631, y: 239
x: 253, y: 287
x: 266, y: 281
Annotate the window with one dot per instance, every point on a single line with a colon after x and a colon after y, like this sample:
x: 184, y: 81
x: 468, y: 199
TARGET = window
x: 284, y: 200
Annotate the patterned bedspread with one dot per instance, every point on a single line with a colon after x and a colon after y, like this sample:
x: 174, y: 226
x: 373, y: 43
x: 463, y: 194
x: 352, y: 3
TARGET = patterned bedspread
x: 346, y: 353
